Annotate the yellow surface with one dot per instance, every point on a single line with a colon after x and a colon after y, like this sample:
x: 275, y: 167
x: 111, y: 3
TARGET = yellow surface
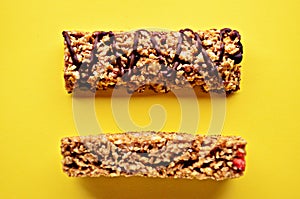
x: 36, y: 112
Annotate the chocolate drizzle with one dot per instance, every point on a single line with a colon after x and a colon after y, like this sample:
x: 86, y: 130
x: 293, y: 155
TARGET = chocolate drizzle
x: 85, y: 69
x: 94, y: 59
x: 134, y: 56
x: 222, y: 34
x: 238, y: 56
x: 211, y: 68
x: 98, y: 36
x: 155, y: 45
x: 176, y: 60
x: 71, y: 50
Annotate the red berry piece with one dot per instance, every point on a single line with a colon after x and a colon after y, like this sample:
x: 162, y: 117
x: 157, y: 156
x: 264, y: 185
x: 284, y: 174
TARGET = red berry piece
x: 239, y: 163
x: 240, y: 154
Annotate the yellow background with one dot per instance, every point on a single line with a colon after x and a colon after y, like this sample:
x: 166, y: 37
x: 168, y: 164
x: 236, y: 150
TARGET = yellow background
x: 36, y: 112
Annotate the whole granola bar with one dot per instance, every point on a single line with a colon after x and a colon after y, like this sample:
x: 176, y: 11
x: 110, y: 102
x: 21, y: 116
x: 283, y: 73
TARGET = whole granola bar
x: 158, y: 60
x: 154, y: 154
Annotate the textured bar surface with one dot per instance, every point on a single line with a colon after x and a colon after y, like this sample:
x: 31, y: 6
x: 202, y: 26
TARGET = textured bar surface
x: 157, y: 60
x: 154, y: 154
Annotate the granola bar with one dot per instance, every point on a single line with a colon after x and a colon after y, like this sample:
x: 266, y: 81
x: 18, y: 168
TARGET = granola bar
x: 154, y: 154
x: 158, y: 60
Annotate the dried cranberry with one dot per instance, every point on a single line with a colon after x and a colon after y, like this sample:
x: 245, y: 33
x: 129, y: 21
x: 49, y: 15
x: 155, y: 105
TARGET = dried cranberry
x: 240, y: 154
x: 239, y: 163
